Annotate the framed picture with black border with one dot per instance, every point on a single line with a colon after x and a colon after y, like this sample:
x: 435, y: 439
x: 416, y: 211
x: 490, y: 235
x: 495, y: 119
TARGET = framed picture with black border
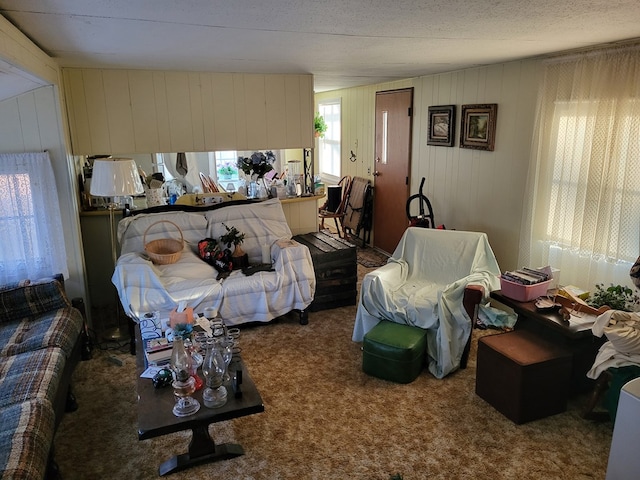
x: 478, y: 126
x: 442, y: 124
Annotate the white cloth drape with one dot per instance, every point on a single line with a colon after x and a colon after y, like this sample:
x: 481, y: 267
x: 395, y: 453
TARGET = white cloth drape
x: 191, y: 178
x: 583, y: 200
x: 423, y: 285
x: 30, y: 222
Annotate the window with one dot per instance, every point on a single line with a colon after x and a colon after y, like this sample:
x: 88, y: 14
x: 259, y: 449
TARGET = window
x: 30, y: 217
x: 582, y: 212
x: 226, y: 165
x: 329, y: 146
x: 578, y: 191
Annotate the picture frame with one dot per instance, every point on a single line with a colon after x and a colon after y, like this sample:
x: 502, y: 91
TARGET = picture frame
x: 478, y: 126
x: 442, y: 123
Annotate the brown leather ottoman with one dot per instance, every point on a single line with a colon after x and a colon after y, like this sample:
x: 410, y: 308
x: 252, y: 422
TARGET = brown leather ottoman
x: 522, y: 375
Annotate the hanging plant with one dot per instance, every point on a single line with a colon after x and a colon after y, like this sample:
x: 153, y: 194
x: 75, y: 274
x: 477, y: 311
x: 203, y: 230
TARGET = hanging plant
x: 319, y: 125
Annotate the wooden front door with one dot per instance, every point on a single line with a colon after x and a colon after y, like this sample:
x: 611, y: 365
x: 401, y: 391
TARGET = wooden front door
x: 391, y: 168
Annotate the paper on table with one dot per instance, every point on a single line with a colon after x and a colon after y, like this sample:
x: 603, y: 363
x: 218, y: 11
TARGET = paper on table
x: 150, y: 372
x: 205, y: 324
x: 583, y: 319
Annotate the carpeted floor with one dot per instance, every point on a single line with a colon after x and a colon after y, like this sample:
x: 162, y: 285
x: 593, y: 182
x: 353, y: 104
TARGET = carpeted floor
x: 324, y: 418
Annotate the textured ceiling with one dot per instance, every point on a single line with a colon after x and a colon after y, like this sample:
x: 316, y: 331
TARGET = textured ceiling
x: 343, y: 43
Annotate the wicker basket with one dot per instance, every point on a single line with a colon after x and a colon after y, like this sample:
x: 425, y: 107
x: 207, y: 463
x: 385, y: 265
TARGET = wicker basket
x: 164, y: 251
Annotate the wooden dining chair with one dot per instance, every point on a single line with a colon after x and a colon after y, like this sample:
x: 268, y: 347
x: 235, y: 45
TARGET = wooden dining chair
x: 338, y: 215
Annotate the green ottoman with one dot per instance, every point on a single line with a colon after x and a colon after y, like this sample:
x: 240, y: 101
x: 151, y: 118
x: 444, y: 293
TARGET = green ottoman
x: 394, y: 352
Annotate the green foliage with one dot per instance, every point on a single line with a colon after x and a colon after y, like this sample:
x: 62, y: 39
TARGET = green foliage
x: 233, y: 236
x: 319, y: 125
x: 227, y: 170
x: 615, y: 297
x: 182, y: 330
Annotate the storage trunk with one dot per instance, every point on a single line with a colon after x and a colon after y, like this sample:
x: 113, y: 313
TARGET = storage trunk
x: 336, y: 269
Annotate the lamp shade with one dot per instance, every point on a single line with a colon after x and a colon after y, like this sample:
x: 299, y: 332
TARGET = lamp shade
x: 115, y: 177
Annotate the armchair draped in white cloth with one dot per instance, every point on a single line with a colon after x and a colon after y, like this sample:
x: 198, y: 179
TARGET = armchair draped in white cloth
x: 423, y: 285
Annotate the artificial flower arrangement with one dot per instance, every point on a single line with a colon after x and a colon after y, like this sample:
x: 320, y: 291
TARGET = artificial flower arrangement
x: 258, y: 164
x: 182, y: 330
x: 235, y: 237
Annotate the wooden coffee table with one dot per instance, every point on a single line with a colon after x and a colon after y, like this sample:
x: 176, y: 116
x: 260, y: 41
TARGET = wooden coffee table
x: 155, y: 417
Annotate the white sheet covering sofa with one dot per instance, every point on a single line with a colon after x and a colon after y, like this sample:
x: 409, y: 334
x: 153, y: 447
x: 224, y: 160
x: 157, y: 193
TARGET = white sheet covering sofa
x: 145, y: 287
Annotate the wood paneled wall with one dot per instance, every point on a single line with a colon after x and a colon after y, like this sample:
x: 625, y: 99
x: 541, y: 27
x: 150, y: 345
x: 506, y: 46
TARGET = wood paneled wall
x: 135, y: 111
x: 358, y: 107
x: 469, y: 189
x: 29, y: 61
x: 31, y: 122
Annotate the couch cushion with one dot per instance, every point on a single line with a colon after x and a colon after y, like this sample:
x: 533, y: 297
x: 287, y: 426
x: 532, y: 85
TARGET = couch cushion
x: 57, y: 328
x: 24, y: 299
x: 131, y: 230
x: 262, y: 223
x: 25, y: 439
x: 31, y: 375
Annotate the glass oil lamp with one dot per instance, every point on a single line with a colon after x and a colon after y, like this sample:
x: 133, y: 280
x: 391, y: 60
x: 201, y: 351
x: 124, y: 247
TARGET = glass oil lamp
x: 213, y: 369
x: 184, y: 384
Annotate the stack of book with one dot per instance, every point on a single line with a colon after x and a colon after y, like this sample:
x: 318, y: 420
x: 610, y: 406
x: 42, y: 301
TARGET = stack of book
x: 158, y: 351
x: 526, y: 276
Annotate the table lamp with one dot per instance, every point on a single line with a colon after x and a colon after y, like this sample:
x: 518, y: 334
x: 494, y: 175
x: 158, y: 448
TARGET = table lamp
x: 115, y: 177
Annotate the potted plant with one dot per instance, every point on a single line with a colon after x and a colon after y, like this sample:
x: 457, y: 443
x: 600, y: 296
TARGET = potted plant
x: 233, y: 236
x: 319, y: 125
x: 616, y: 297
x: 227, y: 172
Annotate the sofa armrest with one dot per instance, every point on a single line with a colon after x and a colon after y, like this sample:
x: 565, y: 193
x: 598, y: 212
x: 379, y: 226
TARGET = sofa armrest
x: 471, y: 299
x: 473, y: 295
x: 28, y: 300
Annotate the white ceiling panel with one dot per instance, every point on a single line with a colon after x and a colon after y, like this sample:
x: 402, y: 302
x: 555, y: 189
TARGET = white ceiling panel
x: 342, y: 43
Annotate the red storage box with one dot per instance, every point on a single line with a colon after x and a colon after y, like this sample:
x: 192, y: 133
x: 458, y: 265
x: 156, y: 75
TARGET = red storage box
x: 523, y: 293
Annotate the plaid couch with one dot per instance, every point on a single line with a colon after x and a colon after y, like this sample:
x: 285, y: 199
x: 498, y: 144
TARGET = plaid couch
x: 40, y: 344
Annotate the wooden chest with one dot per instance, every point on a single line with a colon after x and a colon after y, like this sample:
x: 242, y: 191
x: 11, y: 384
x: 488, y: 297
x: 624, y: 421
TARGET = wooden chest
x: 335, y: 264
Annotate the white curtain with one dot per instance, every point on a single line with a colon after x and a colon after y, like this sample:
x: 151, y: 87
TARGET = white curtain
x: 582, y: 207
x: 30, y: 222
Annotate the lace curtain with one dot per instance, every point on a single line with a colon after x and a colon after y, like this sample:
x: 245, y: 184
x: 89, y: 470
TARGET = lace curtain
x: 582, y: 207
x: 30, y: 222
